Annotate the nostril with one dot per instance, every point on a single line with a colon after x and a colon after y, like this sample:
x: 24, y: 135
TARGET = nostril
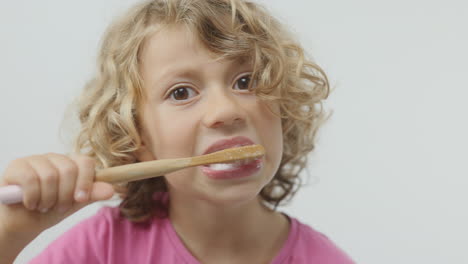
x: 218, y: 124
x: 223, y: 115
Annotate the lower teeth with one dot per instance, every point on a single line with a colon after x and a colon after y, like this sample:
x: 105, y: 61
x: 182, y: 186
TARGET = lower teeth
x: 228, y: 166
x: 222, y: 166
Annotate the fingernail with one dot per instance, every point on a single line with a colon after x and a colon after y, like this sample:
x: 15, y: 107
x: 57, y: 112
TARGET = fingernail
x: 43, y: 210
x: 81, y: 196
x: 35, y: 206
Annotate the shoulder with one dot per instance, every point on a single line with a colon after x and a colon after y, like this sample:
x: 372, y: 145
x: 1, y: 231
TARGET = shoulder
x: 106, y: 237
x: 311, y: 244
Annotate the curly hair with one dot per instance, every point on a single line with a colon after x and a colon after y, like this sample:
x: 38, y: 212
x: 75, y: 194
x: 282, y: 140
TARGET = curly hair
x: 108, y: 107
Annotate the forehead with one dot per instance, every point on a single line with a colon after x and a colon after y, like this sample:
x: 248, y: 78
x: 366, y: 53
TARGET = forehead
x: 176, y: 48
x: 171, y: 46
x: 166, y: 42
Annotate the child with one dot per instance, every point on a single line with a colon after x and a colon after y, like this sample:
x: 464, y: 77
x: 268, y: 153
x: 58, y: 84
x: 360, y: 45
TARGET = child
x: 181, y: 78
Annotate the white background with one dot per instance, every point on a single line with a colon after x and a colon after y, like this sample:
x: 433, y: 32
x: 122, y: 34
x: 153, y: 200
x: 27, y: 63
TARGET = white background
x: 389, y: 176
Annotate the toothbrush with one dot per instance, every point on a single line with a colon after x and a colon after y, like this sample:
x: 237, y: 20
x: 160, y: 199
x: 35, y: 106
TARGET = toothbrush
x: 143, y: 170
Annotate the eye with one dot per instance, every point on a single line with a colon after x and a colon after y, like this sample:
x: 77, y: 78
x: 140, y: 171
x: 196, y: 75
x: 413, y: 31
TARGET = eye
x: 182, y: 93
x: 243, y: 83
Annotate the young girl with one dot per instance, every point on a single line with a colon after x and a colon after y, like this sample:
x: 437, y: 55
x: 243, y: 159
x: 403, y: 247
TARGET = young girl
x: 181, y: 78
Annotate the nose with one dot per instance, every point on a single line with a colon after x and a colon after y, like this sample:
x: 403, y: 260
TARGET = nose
x: 224, y: 110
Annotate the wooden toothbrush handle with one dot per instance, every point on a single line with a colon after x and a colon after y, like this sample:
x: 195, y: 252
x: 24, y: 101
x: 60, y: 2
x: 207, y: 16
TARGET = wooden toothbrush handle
x: 142, y: 170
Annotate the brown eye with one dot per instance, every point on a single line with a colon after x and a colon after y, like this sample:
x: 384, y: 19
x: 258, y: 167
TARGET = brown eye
x: 182, y: 93
x: 242, y: 83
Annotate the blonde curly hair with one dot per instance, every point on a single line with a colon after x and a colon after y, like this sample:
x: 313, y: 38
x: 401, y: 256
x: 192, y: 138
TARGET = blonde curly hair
x: 108, y: 107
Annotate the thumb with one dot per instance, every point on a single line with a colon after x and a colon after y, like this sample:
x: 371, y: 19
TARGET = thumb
x: 101, y: 191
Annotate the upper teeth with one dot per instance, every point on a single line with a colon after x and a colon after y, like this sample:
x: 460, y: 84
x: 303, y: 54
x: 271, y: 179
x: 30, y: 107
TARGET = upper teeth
x: 222, y: 166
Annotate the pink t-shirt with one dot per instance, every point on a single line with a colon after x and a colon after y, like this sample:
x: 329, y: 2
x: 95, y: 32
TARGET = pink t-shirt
x: 109, y: 238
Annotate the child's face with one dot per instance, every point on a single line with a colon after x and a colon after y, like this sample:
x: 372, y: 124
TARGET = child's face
x: 195, y: 101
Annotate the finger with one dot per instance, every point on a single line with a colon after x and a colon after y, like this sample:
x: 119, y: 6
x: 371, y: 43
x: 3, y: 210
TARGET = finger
x: 21, y: 173
x: 85, y: 179
x: 67, y: 181
x: 48, y: 177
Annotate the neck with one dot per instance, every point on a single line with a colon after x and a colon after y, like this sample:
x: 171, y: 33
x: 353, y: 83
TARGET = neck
x: 227, y: 230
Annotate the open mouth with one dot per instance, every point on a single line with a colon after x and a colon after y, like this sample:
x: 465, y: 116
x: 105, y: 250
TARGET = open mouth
x: 231, y: 170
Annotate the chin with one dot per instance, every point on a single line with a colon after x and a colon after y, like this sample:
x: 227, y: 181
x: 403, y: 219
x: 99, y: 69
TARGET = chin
x: 235, y: 193
x: 232, y: 199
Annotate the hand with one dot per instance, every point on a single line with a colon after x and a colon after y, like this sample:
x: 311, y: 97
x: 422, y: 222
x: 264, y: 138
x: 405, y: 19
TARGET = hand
x: 54, y: 186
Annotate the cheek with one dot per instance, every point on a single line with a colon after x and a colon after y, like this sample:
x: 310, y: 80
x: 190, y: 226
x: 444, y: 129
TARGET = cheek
x: 270, y: 131
x: 269, y: 123
x: 174, y: 135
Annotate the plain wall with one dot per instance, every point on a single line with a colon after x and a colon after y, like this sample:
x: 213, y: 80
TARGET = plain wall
x: 388, y: 179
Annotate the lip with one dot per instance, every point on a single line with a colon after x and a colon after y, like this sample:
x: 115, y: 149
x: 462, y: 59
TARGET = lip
x: 229, y: 143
